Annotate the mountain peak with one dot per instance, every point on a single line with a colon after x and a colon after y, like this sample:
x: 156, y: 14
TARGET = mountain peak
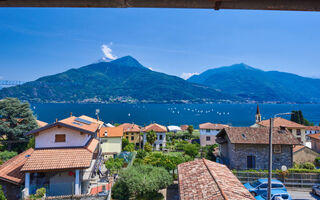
x: 128, y: 61
x: 242, y: 66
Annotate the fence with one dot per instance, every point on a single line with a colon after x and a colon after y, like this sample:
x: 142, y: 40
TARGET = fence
x: 290, y: 180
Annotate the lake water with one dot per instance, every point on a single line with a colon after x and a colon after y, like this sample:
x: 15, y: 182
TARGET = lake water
x: 174, y: 114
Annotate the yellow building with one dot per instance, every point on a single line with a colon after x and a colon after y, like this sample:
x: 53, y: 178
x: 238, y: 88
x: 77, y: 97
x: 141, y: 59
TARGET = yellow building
x: 132, y: 133
x: 111, y: 140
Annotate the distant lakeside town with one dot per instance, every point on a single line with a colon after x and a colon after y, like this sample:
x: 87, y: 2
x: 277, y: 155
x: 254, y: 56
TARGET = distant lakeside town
x: 85, y: 157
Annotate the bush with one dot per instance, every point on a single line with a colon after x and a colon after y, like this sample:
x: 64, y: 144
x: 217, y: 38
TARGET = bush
x: 114, y: 165
x: 317, y: 162
x: 147, y: 147
x: 129, y: 147
x: 2, y: 197
x: 152, y: 195
x: 141, y: 154
x: 125, y: 142
x: 39, y: 194
x: 140, y: 181
x: 307, y: 165
x: 191, y: 149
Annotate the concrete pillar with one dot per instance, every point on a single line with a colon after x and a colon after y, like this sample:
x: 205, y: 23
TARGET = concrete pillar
x: 27, y: 184
x: 77, y: 182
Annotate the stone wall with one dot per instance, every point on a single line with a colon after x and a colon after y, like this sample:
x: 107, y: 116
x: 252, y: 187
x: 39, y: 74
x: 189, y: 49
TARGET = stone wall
x: 305, y: 155
x: 238, y: 156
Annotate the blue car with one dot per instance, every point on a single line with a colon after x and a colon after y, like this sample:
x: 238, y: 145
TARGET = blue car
x: 275, y: 195
x: 261, y: 185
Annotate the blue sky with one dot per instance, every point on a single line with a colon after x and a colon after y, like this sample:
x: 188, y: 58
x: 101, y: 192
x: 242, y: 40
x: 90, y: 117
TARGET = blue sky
x: 36, y: 42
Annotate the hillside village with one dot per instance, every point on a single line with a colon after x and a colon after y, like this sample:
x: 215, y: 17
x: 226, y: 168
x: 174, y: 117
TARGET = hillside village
x: 84, y: 157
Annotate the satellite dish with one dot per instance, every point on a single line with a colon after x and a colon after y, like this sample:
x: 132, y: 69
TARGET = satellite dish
x: 284, y: 168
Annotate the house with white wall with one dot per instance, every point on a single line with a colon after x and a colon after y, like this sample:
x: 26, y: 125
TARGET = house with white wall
x: 208, y: 132
x: 110, y: 140
x: 64, y: 157
x: 161, y: 131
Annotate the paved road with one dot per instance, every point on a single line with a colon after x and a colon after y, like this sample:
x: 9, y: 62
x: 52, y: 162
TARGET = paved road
x: 299, y: 194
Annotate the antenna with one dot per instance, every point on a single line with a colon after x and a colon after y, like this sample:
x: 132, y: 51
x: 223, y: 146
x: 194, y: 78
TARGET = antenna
x: 97, y: 113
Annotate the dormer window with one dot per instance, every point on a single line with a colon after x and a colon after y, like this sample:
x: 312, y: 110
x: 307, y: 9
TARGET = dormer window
x: 60, y: 138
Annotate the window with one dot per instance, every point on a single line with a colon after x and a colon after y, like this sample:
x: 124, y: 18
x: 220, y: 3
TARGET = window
x: 208, y: 130
x: 60, y: 138
x: 263, y: 186
x: 160, y: 146
x: 285, y: 196
x: 208, y: 138
x: 251, y: 162
x: 127, y: 137
x: 276, y: 186
x: 160, y: 137
x: 298, y: 132
x: 132, y: 137
x: 276, y: 148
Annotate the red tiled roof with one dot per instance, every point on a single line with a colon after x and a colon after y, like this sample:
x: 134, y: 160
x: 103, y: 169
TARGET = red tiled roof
x: 60, y: 158
x: 155, y: 127
x: 313, y: 128
x: 184, y: 127
x: 251, y: 135
x: 130, y: 128
x: 315, y: 136
x: 278, y: 121
x: 11, y: 170
x: 111, y: 132
x: 92, y: 120
x: 41, y: 123
x: 204, y: 179
x: 212, y: 126
x: 89, y: 127
x: 297, y: 148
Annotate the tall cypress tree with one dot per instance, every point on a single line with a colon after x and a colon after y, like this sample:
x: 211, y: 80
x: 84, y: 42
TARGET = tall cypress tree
x: 16, y: 118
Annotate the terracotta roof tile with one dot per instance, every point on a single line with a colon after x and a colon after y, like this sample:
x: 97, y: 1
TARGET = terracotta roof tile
x: 71, y: 121
x: 155, y: 127
x: 11, y: 170
x: 111, y: 132
x: 184, y: 127
x: 204, y: 179
x: 251, y: 135
x: 41, y: 123
x: 313, y: 128
x: 60, y: 158
x: 209, y: 125
x: 92, y: 120
x: 278, y: 121
x: 297, y: 148
x: 130, y: 128
x: 315, y: 136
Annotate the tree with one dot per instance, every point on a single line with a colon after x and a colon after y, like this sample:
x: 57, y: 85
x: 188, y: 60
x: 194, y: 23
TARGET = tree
x: 16, y: 119
x: 148, y: 147
x: 140, y: 180
x: 114, y: 164
x: 151, y: 137
x: 129, y: 147
x: 6, y: 155
x: 32, y: 142
x: 190, y: 129
x: 297, y: 117
x: 125, y: 142
x: 141, y: 154
x: 191, y: 150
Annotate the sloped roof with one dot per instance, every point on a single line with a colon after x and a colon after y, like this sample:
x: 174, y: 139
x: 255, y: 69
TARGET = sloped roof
x: 278, y: 121
x: 315, y: 136
x: 204, y: 179
x: 41, y: 123
x: 251, y: 135
x: 92, y: 120
x: 184, y: 127
x: 60, y: 158
x: 130, y: 128
x: 111, y: 132
x: 71, y: 123
x: 10, y: 171
x: 297, y: 148
x: 313, y: 128
x: 155, y: 127
x: 212, y: 126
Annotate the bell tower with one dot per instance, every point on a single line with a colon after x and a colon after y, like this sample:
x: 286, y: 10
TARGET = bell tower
x: 258, y: 115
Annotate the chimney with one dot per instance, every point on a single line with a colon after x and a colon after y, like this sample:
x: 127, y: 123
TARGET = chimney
x: 56, y: 120
x: 70, y: 114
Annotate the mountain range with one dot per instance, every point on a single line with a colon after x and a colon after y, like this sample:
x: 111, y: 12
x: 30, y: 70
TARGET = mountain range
x: 253, y: 84
x: 125, y: 80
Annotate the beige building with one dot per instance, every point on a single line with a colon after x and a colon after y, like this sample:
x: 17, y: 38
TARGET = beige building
x: 298, y: 130
x: 208, y: 132
x: 302, y: 154
x: 315, y: 142
x: 111, y: 140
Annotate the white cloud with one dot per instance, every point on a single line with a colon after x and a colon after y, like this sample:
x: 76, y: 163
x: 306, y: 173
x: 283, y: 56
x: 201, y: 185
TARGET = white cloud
x: 186, y: 75
x: 107, y: 51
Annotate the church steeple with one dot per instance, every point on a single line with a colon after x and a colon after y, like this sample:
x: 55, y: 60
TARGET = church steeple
x: 258, y: 115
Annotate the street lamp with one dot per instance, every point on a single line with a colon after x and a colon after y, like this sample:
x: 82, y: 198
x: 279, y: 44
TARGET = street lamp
x: 270, y: 153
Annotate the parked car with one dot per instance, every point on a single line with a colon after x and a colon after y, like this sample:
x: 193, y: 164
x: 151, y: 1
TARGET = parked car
x: 316, y: 190
x: 275, y: 195
x: 261, y: 185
